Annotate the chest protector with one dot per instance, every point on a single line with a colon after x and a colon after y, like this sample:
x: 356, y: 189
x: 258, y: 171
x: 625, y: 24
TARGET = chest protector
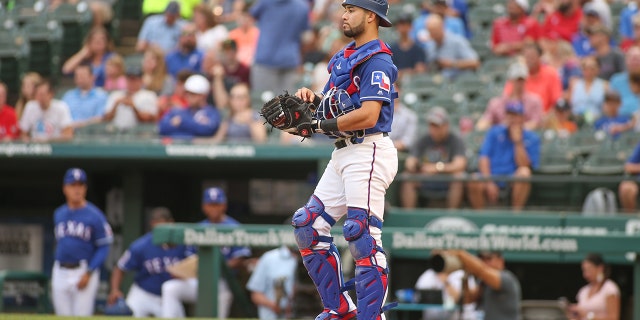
x: 343, y: 84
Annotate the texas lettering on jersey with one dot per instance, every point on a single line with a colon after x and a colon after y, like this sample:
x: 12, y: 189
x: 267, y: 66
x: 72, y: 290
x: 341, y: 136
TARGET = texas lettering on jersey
x: 74, y: 229
x: 159, y: 265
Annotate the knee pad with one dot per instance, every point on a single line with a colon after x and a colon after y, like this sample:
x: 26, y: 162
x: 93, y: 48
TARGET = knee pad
x: 356, y: 231
x: 303, y: 219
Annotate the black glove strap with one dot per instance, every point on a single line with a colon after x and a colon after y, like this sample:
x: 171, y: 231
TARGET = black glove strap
x: 317, y: 100
x: 328, y: 125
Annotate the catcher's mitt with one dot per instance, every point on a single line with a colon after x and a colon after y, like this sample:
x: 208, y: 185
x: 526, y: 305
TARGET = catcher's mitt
x: 289, y: 113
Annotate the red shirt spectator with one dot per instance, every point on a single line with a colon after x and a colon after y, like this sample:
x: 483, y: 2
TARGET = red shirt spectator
x: 511, y: 31
x: 564, y: 21
x: 8, y: 120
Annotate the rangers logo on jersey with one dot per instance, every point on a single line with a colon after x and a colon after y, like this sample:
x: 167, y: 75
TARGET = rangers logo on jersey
x: 381, y: 80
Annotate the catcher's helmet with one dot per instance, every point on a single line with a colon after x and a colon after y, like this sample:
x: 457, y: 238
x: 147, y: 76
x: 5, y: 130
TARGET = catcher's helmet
x: 119, y: 308
x: 379, y: 7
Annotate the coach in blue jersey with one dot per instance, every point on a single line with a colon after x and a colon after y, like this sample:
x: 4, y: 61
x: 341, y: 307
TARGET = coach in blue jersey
x: 149, y: 261
x: 176, y: 291
x: 83, y: 241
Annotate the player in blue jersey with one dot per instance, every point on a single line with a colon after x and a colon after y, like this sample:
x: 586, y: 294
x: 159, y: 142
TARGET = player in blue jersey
x: 176, y: 291
x: 149, y: 261
x: 83, y: 241
x: 356, y: 108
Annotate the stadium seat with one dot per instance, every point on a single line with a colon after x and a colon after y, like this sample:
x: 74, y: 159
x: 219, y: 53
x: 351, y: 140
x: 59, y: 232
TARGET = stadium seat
x: 45, y: 39
x: 76, y: 22
x: 608, y: 159
x: 14, y: 56
x: 542, y: 310
x: 25, y: 11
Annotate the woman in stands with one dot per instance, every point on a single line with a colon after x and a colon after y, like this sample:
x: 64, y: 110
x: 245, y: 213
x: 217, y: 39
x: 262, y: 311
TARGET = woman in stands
x: 600, y: 298
x: 154, y: 72
x: 242, y: 124
x: 27, y: 91
x: 209, y: 34
x: 96, y: 50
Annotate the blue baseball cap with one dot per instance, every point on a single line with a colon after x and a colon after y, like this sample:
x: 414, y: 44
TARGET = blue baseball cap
x: 515, y: 107
x: 214, y: 195
x: 379, y: 7
x: 74, y: 175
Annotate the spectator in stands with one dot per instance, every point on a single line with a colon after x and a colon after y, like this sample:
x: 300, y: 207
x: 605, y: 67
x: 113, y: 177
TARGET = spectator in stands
x: 209, y: 34
x: 628, y: 189
x: 8, y: 120
x: 404, y: 128
x: 635, y: 39
x: 559, y: 120
x: 587, y: 93
x: 507, y: 150
x: 496, y: 112
x: 154, y: 72
x: 242, y: 124
x: 611, y: 60
x: 580, y: 41
x: 559, y: 54
x: 234, y: 70
x: 564, y: 21
x: 127, y: 108
x: 177, y: 99
x: 611, y: 121
x: 439, y: 8
x: 45, y: 118
x: 451, y: 286
x: 600, y: 297
x: 161, y: 30
x: 186, y: 56
x: 27, y: 91
x: 97, y: 48
x: 86, y: 102
x: 602, y: 8
x: 281, y: 25
x: 114, y: 73
x: 627, y: 83
x: 408, y: 57
x: 246, y: 37
x: 448, y: 52
x: 626, y: 28
x: 543, y: 80
x: 509, y: 33
x: 498, y: 293
x: 197, y: 120
x: 441, y: 151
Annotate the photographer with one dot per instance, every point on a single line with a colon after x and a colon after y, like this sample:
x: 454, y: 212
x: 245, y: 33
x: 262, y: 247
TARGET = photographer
x: 498, y: 293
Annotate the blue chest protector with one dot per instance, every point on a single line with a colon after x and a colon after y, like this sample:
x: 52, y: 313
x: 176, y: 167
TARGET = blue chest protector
x: 343, y: 81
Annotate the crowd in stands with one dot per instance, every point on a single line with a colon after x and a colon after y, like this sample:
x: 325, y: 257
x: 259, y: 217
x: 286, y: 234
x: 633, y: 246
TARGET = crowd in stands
x: 540, y: 68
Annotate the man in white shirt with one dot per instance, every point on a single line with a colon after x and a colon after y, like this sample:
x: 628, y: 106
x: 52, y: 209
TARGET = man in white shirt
x: 134, y: 105
x: 45, y: 118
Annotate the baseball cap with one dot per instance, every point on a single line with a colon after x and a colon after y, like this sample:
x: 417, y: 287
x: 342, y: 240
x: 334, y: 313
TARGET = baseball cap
x: 197, y: 84
x: 524, y: 4
x: 133, y: 71
x: 591, y: 10
x: 214, y: 195
x: 563, y: 105
x: 172, y: 8
x: 74, y: 175
x: 438, y: 116
x: 517, y: 70
x: 515, y: 107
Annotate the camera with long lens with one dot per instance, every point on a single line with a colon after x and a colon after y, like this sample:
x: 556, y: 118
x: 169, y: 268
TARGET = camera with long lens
x: 447, y: 263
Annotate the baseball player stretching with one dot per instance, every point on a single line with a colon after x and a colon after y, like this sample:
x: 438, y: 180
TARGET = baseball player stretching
x: 149, y: 261
x: 176, y: 291
x: 83, y: 241
x: 362, y: 166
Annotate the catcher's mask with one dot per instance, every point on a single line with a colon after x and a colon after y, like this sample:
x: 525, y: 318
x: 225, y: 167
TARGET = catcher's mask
x: 334, y: 104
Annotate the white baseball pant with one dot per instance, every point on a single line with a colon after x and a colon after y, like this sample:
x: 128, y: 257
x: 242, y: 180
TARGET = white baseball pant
x: 143, y: 303
x: 358, y: 175
x: 68, y: 300
x: 177, y: 291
